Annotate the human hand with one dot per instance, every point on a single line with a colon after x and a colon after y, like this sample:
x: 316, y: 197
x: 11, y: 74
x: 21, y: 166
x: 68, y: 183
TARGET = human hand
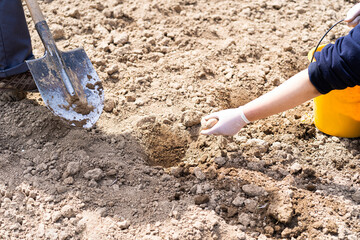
x: 230, y: 121
x: 353, y: 16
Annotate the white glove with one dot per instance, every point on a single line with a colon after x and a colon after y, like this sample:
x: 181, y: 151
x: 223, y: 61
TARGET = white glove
x: 230, y: 121
x: 353, y: 16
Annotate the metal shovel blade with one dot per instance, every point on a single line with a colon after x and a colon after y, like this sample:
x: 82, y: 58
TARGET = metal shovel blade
x: 83, y: 104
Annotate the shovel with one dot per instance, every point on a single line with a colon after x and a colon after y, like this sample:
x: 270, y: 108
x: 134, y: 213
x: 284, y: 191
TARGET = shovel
x: 67, y: 81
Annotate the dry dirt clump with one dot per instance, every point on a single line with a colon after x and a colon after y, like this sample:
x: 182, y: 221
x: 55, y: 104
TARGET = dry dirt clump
x: 143, y: 172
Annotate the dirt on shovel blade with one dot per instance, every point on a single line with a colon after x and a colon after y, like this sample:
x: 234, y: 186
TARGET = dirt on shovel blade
x: 80, y: 106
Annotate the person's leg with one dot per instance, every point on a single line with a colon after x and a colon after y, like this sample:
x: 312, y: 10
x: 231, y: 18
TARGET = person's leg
x: 15, y: 42
x: 15, y: 48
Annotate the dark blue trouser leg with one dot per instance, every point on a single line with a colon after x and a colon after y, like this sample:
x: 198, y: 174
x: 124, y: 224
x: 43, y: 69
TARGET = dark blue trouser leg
x: 15, y: 43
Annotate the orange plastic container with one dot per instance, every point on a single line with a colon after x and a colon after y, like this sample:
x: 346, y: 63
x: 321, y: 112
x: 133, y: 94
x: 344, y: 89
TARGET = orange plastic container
x: 338, y: 112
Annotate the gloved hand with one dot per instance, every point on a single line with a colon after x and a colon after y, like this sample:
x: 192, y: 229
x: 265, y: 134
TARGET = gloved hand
x: 353, y: 16
x: 230, y: 121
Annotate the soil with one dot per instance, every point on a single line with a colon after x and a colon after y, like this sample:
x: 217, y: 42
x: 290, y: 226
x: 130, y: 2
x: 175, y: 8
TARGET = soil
x: 143, y: 171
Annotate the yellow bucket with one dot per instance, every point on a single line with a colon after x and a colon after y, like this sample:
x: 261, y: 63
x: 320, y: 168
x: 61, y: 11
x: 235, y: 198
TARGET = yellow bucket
x: 337, y: 113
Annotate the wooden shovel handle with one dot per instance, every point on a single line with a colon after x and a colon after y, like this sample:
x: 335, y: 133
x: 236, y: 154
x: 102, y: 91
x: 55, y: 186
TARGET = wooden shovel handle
x: 35, y: 11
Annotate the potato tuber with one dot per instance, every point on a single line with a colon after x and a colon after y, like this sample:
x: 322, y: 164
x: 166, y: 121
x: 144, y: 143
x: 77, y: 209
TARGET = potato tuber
x: 208, y: 124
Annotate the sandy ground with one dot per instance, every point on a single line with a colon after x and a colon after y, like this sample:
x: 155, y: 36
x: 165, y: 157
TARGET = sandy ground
x: 143, y: 172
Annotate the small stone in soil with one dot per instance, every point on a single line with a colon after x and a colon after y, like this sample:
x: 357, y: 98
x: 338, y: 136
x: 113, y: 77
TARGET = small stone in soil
x: 123, y: 224
x: 356, y: 196
x: 201, y: 199
x: 253, y: 190
x: 231, y: 212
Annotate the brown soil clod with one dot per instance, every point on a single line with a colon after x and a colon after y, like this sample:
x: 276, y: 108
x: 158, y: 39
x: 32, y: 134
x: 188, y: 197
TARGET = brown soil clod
x: 79, y: 106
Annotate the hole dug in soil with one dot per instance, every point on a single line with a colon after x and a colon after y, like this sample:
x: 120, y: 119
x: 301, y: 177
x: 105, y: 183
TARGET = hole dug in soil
x: 165, y: 145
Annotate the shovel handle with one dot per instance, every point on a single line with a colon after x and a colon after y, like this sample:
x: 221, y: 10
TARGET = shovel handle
x: 35, y: 11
